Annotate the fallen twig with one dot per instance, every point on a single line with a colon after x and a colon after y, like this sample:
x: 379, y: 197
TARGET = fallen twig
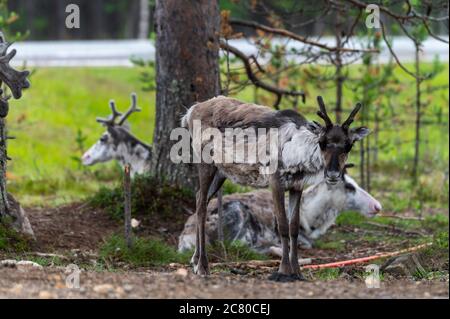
x: 257, y: 263
x: 401, y: 217
x: 392, y: 228
x: 45, y: 255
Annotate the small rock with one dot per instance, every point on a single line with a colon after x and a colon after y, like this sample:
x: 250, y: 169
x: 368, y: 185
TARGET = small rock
x: 135, y: 223
x: 182, y: 272
x: 21, y: 264
x: 103, y: 289
x: 120, y: 291
x: 47, y: 295
x: 17, y: 289
x: 128, y: 288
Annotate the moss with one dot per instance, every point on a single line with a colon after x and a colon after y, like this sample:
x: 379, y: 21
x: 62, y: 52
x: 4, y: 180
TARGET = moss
x: 11, y: 240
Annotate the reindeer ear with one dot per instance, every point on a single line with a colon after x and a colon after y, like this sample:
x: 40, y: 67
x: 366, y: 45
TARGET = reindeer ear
x: 314, y: 127
x: 359, y: 133
x: 113, y: 131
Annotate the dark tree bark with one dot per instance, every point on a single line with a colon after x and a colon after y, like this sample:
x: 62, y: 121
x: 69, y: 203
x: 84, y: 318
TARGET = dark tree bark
x: 187, y: 71
x: 3, y: 158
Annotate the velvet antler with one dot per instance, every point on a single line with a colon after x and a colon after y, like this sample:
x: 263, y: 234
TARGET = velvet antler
x: 133, y: 108
x: 351, y: 117
x: 15, y: 80
x: 323, y: 113
x: 111, y: 120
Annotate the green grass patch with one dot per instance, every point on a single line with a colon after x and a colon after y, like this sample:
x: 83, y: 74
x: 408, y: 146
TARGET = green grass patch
x: 327, y: 274
x: 144, y: 252
x: 350, y: 219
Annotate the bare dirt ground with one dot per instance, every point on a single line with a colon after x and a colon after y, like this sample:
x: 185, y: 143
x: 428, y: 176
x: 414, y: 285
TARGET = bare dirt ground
x: 77, y: 230
x: 50, y: 283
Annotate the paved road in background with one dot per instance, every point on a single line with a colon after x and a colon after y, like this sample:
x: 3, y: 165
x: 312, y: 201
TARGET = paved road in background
x: 119, y: 52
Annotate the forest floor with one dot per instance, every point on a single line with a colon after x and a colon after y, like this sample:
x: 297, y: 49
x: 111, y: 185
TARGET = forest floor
x: 72, y: 234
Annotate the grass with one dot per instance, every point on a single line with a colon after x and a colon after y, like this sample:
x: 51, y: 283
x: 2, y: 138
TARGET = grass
x: 144, y: 252
x: 148, y: 251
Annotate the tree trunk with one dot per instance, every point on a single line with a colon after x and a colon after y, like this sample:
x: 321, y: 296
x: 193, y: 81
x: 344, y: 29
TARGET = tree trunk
x: 418, y: 114
x: 3, y: 156
x: 144, y: 19
x: 187, y: 71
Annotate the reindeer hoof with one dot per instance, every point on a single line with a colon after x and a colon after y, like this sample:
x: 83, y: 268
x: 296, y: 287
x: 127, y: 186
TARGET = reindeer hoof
x: 201, y: 270
x: 279, y: 277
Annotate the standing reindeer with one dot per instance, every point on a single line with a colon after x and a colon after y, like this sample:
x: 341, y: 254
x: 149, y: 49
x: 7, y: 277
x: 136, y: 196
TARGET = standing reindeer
x: 308, y: 152
x: 118, y: 143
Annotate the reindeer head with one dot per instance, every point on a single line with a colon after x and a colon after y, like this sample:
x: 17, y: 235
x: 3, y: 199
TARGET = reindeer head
x: 106, y: 148
x: 336, y: 141
x: 358, y: 199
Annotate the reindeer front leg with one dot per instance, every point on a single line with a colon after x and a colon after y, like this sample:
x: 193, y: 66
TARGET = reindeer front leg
x: 285, y: 269
x: 294, y: 226
x: 200, y: 260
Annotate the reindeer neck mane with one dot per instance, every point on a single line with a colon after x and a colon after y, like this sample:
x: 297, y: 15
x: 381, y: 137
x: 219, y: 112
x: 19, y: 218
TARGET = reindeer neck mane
x: 131, y: 150
x: 300, y: 149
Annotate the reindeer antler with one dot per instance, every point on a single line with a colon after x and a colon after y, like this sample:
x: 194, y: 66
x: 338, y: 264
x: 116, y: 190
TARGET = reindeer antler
x: 110, y: 120
x: 15, y: 80
x: 351, y: 117
x: 133, y: 108
x: 323, y: 113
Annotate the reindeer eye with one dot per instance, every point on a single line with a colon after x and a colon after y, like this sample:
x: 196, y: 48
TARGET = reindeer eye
x: 350, y: 187
x: 104, y: 139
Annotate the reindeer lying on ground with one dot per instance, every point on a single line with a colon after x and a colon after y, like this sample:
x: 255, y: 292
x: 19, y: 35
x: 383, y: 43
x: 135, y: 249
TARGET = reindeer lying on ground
x: 308, y: 153
x: 248, y: 217
x: 118, y: 143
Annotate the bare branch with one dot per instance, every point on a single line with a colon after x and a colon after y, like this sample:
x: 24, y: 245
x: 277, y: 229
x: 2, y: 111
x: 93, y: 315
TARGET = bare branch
x: 291, y: 35
x: 255, y: 80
